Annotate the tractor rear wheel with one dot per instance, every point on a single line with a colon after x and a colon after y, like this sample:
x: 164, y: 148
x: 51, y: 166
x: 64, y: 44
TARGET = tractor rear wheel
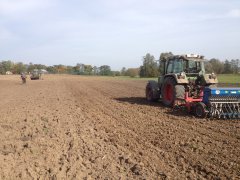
x: 171, y: 91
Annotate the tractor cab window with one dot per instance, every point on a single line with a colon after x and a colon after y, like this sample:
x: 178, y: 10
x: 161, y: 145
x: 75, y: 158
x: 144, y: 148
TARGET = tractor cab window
x: 175, y: 66
x: 170, y: 67
x: 194, y: 67
x: 178, y: 66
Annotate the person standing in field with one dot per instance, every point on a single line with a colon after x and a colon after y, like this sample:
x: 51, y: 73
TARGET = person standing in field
x: 24, y: 78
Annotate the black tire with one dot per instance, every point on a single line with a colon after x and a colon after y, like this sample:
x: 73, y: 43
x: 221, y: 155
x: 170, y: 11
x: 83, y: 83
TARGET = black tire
x: 152, y: 91
x: 171, y: 91
x: 200, y: 110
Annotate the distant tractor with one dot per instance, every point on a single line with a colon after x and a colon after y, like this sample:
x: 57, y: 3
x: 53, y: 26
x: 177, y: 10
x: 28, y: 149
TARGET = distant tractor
x: 35, y: 74
x: 183, y: 82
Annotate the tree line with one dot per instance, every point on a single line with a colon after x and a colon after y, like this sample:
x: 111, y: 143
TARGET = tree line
x: 78, y: 69
x: 226, y: 67
x: 17, y: 68
x: 149, y: 68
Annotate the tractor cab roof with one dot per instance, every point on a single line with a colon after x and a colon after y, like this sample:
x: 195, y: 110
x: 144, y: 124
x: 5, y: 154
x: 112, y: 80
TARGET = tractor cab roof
x: 189, y: 57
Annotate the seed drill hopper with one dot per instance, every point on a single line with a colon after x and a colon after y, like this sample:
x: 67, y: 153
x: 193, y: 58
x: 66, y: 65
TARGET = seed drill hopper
x: 222, y: 102
x: 184, y: 83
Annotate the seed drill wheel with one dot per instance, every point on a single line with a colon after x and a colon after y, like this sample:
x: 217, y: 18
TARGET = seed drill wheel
x: 200, y: 110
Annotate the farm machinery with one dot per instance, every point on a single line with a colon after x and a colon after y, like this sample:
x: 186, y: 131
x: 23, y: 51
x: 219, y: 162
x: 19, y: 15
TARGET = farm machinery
x: 183, y: 82
x: 35, y: 74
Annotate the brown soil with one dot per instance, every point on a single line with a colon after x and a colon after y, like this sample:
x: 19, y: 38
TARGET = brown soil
x: 74, y: 127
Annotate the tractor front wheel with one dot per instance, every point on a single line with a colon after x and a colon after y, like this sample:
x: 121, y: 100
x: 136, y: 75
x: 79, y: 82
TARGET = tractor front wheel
x: 152, y: 93
x: 149, y: 94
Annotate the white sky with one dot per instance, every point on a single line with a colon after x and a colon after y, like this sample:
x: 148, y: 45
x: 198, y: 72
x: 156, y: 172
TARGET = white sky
x: 116, y: 33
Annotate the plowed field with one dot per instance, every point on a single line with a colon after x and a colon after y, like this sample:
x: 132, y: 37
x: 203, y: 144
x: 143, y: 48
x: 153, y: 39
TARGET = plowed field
x: 73, y: 127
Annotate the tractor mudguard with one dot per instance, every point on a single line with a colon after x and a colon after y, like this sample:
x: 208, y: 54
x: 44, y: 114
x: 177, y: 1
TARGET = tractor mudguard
x: 209, y: 79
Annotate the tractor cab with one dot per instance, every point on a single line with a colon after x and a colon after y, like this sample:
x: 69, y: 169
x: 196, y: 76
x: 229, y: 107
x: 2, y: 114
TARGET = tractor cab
x: 185, y: 69
x: 190, y: 64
